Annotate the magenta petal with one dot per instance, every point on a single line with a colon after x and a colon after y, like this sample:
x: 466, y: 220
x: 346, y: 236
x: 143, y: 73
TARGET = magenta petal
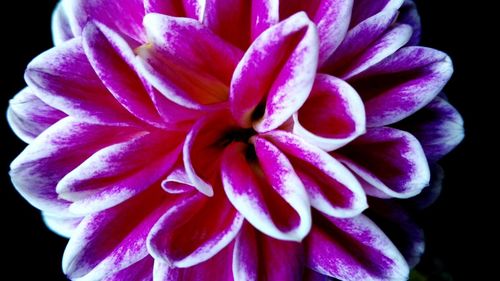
x: 64, y: 79
x: 177, y: 181
x: 260, y: 257
x: 219, y: 265
x: 402, y: 84
x: 365, y: 9
x: 63, y: 23
x: 28, y: 116
x: 119, y: 172
x: 276, y: 74
x: 331, y: 187
x: 178, y: 8
x: 311, y: 275
x: 332, y: 116
x: 114, y: 239
x: 58, y: 150
x: 388, y: 162
x: 112, y: 59
x: 194, y: 231
x: 268, y: 193
x: 353, y: 249
x: 140, y: 271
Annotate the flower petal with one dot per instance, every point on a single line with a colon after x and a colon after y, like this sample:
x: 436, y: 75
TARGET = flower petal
x: 184, y: 237
x: 409, y: 15
x: 331, y: 187
x: 219, y: 265
x: 61, y: 225
x: 178, y: 8
x: 353, y: 249
x: 28, y: 116
x: 177, y: 181
x: 402, y: 84
x: 388, y: 162
x: 240, y: 21
x: 140, y: 271
x: 119, y: 172
x: 332, y: 18
x: 268, y: 193
x: 64, y: 79
x: 276, y: 74
x: 54, y: 153
x: 332, y: 116
x: 112, y: 59
x: 114, y: 239
x: 260, y: 257
x: 438, y: 126
x: 62, y: 17
x: 364, y: 9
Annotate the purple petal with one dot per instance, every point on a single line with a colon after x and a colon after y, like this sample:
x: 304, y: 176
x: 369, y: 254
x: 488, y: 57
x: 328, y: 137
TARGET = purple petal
x: 64, y: 79
x: 178, y: 8
x: 63, y: 23
x: 141, y: 270
x: 364, y: 9
x: 276, y: 74
x: 57, y: 151
x: 402, y: 84
x: 408, y: 14
x: 438, y: 126
x: 388, y: 162
x: 119, y: 172
x: 332, y: 116
x: 332, y: 189
x: 61, y: 225
x: 353, y: 249
x: 28, y: 116
x: 260, y: 257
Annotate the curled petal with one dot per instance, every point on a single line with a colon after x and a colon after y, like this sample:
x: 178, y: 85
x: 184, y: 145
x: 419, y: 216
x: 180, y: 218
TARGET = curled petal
x: 276, y: 74
x: 178, y: 8
x: 177, y: 181
x: 388, y: 162
x: 401, y: 84
x: 194, y: 231
x: 332, y: 116
x: 353, y: 249
x: 63, y: 23
x: 268, y: 193
x: 331, y: 187
x: 28, y: 116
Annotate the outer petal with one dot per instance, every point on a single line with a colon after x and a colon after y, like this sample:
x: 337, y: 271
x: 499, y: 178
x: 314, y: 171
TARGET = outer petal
x: 276, y: 74
x: 438, y: 126
x: 194, y: 231
x: 402, y: 84
x: 62, y: 17
x: 364, y: 9
x: 332, y: 116
x: 268, y: 193
x: 260, y: 257
x: 388, y: 162
x: 64, y: 79
x: 353, y: 249
x: 58, y: 150
x: 61, y: 225
x: 240, y: 21
x: 331, y: 17
x: 219, y: 265
x: 177, y: 8
x: 28, y: 116
x: 332, y: 189
x: 112, y: 59
x: 174, y: 64
x: 114, y: 239
x: 139, y: 271
x: 409, y: 15
x: 118, y: 172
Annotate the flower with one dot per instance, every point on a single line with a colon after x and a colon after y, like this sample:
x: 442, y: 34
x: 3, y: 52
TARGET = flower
x: 175, y: 140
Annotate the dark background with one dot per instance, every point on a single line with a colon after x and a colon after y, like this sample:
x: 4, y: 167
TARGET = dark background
x: 459, y: 227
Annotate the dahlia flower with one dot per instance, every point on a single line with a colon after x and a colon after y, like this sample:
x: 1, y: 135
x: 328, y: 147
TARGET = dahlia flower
x: 231, y: 140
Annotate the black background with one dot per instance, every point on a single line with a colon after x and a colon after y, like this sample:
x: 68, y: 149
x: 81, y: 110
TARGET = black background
x: 459, y: 227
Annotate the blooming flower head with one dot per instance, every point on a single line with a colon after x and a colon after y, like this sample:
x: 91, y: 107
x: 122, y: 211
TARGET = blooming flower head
x: 231, y: 140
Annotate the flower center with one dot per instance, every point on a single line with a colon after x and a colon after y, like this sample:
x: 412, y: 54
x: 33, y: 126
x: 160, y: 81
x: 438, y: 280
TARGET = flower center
x: 237, y: 134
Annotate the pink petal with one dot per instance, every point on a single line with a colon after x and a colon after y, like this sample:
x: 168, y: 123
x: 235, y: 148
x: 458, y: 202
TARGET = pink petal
x: 194, y: 231
x: 332, y: 18
x: 28, y: 116
x: 173, y: 63
x: 112, y: 59
x: 109, y: 241
x: 64, y: 79
x: 268, y: 193
x: 141, y: 271
x: 119, y: 172
x: 402, y: 84
x: 54, y: 153
x: 178, y: 8
x: 177, y: 181
x: 240, y: 21
x: 332, y: 116
x: 219, y: 265
x: 260, y: 257
x: 332, y: 189
x: 388, y: 162
x: 353, y: 249
x: 276, y: 74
